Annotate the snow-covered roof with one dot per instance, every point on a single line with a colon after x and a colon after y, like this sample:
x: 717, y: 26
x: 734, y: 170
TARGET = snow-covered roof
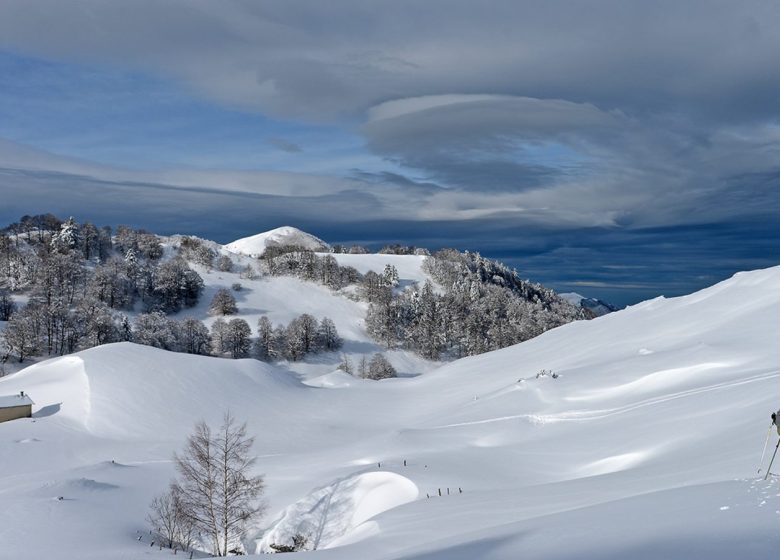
x: 8, y: 401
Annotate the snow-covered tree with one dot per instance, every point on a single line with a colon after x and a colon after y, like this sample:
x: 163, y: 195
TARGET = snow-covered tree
x: 237, y: 339
x: 264, y: 345
x: 21, y: 335
x: 328, y: 338
x: 175, y: 285
x: 301, y: 336
x: 223, y: 303
x: 194, y: 337
x: 156, y: 329
x: 379, y: 368
x: 224, y: 263
x: 391, y: 275
x: 68, y: 237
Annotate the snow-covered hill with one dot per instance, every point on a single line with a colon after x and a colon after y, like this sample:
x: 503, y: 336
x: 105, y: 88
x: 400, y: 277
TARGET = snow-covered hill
x: 595, y: 306
x: 645, y: 445
x: 255, y: 245
x: 282, y: 298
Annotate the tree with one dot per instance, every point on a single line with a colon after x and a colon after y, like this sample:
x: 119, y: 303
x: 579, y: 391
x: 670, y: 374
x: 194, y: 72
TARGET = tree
x: 155, y: 329
x: 224, y: 263
x: 218, y: 335
x: 237, y: 338
x: 248, y: 272
x: 175, y: 285
x: 223, y: 303
x: 149, y: 246
x: 327, y: 336
x: 168, y: 519
x: 22, y: 334
x: 380, y: 368
x: 362, y: 370
x: 300, y: 336
x: 194, y: 337
x: 346, y: 365
x: 68, y: 237
x: 391, y: 275
x: 7, y: 306
x: 217, y: 490
x: 264, y: 349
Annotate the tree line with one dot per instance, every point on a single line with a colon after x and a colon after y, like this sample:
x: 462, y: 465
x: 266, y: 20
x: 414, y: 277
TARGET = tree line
x: 80, y: 278
x: 481, y: 306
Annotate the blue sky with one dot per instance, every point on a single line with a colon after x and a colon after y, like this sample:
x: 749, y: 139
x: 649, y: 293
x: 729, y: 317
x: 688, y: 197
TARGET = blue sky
x: 621, y: 149
x: 129, y: 119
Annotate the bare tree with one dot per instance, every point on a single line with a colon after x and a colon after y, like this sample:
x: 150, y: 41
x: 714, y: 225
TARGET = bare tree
x: 218, y: 492
x: 169, y: 521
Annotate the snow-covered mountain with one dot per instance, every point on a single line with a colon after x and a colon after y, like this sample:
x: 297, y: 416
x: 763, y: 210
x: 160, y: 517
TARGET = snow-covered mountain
x: 255, y: 245
x: 596, y: 306
x: 644, y: 445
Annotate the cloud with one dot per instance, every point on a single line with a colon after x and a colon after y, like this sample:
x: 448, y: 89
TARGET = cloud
x: 566, y: 134
x: 285, y: 145
x: 489, y: 142
x: 292, y: 57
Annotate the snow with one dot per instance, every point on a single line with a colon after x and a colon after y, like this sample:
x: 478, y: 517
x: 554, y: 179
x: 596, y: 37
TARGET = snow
x: 283, y: 298
x: 330, y: 513
x: 409, y: 267
x: 646, y: 446
x: 8, y: 401
x: 596, y: 306
x: 573, y: 298
x: 255, y: 245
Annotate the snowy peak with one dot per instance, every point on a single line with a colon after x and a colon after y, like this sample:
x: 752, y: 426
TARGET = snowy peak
x: 256, y: 245
x: 595, y: 306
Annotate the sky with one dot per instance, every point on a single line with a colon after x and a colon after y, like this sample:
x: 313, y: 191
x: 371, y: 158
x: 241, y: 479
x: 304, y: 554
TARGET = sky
x: 620, y: 149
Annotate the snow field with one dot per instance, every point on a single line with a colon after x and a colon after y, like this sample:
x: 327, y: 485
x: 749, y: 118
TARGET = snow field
x: 646, y: 445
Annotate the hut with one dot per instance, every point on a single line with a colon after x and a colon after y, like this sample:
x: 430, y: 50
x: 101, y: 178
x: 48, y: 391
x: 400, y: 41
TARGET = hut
x: 15, y: 406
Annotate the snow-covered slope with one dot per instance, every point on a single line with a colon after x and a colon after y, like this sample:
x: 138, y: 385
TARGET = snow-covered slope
x: 645, y: 445
x: 256, y: 245
x: 282, y: 298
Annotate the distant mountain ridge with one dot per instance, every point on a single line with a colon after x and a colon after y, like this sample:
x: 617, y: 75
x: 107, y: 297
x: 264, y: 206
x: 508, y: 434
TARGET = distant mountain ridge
x: 596, y: 306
